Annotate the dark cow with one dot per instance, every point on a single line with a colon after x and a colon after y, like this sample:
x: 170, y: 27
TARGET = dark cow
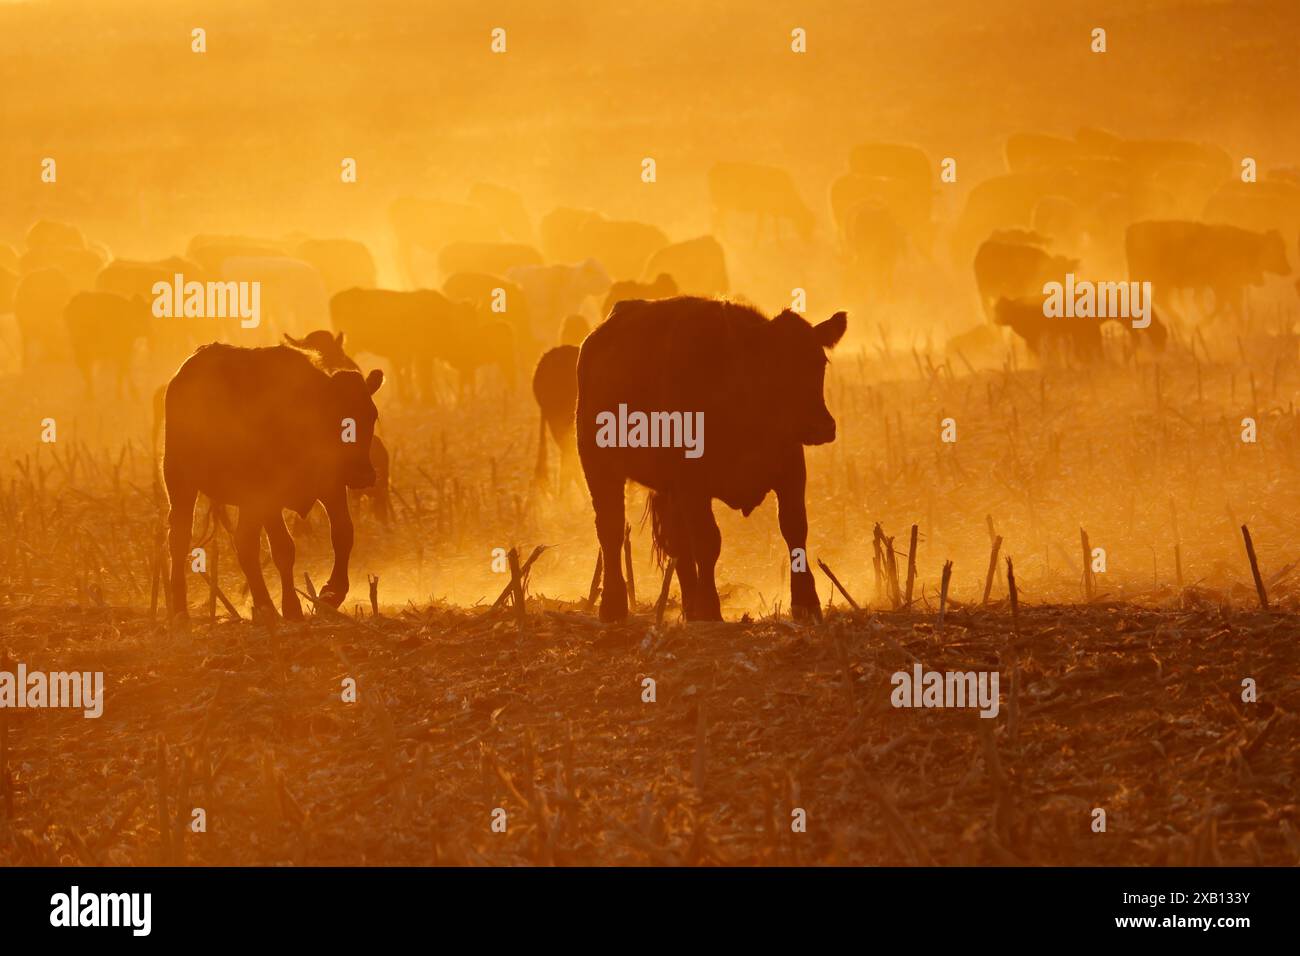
x: 1045, y: 337
x: 1077, y: 338
x: 1175, y: 255
x: 264, y: 429
x: 758, y: 384
x: 555, y: 386
x: 328, y: 348
x: 663, y: 287
x: 1014, y: 270
x: 103, y: 327
x: 698, y: 266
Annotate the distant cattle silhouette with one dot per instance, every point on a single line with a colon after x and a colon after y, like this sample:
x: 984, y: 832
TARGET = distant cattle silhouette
x: 170, y: 339
x: 413, y: 330
x: 1015, y: 270
x: 505, y: 207
x: 49, y: 233
x: 757, y: 382
x: 262, y: 429
x: 1259, y: 207
x: 328, y: 348
x: 663, y: 287
x: 292, y: 294
x: 1064, y: 337
x: 555, y: 387
x: 897, y: 175
x: 1175, y: 256
x: 39, y: 302
x: 763, y: 196
x: 557, y: 291
x: 500, y: 298
x: 341, y: 263
x: 497, y: 258
x: 103, y: 328
x: 622, y: 246
x: 875, y: 246
x: 397, y: 326
x: 80, y: 265
x: 211, y: 251
x: 698, y: 266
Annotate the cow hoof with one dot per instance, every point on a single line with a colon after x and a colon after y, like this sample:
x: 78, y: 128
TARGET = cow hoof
x: 332, y: 595
x: 292, y: 610
x: 265, y: 615
x: 613, y: 611
x: 808, y: 613
x: 179, y: 623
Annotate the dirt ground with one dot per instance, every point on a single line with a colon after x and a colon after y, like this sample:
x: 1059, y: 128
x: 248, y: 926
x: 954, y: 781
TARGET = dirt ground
x: 1133, y: 710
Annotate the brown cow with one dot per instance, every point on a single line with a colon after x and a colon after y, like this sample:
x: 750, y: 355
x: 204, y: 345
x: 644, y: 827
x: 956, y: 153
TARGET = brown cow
x: 266, y: 429
x: 758, y: 385
x: 555, y: 386
x: 328, y: 348
x: 103, y: 327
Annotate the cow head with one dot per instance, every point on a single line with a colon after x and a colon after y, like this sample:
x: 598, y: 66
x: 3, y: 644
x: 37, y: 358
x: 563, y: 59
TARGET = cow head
x: 352, y: 397
x: 801, y: 356
x: 327, y: 345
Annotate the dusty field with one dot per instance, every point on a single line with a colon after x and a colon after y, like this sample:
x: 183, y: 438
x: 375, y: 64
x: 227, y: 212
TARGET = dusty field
x: 1131, y: 704
x: 1134, y: 710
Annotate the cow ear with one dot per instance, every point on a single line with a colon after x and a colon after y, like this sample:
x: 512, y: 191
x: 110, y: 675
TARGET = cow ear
x: 292, y: 341
x: 832, y: 330
x: 339, y: 339
x: 374, y: 380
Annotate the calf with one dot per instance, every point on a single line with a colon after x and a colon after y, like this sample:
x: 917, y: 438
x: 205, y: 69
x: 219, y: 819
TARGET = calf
x: 266, y: 429
x: 757, y: 384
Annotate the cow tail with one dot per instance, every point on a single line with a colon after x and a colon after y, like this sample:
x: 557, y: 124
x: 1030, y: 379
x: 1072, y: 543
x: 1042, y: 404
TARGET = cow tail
x: 658, y: 507
x: 539, y: 470
x: 217, y: 515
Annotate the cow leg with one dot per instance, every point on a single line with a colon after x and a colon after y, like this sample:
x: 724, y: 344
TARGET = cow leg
x: 180, y: 520
x: 607, y: 500
x: 792, y: 514
x: 282, y: 553
x: 705, y: 545
x: 336, y: 506
x: 248, y: 548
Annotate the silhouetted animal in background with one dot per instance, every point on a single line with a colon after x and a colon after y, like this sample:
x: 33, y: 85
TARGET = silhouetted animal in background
x: 765, y: 195
x: 1014, y: 270
x: 663, y: 287
x: 555, y: 386
x: 265, y: 429
x: 103, y: 328
x: 1175, y: 255
x: 757, y: 383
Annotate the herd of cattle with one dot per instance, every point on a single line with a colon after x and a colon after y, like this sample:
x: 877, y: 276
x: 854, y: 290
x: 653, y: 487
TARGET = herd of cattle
x: 608, y: 313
